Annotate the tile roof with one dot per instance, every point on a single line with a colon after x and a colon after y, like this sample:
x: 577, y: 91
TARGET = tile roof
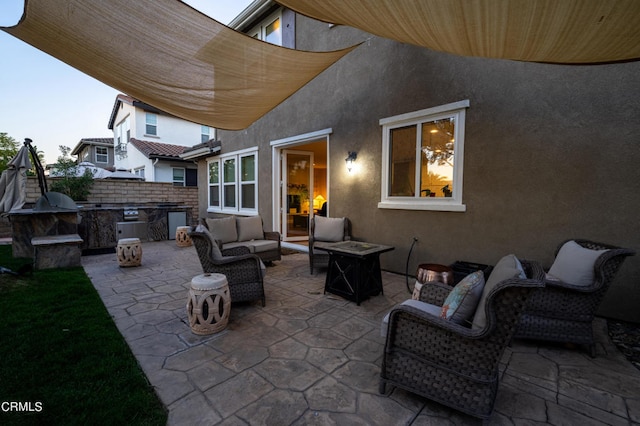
x: 157, y: 149
x: 97, y: 140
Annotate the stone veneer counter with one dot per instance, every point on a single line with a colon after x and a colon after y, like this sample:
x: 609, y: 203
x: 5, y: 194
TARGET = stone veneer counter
x: 96, y: 225
x: 29, y: 223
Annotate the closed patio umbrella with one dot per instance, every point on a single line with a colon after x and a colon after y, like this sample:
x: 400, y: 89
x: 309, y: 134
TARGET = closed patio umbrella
x: 13, y: 182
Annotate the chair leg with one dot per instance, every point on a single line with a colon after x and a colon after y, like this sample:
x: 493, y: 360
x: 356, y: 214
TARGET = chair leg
x: 382, y: 387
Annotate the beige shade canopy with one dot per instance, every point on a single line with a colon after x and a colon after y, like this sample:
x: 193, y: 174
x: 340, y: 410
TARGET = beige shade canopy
x: 171, y: 56
x: 556, y: 31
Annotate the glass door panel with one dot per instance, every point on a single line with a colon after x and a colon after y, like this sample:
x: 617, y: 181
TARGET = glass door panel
x: 297, y: 186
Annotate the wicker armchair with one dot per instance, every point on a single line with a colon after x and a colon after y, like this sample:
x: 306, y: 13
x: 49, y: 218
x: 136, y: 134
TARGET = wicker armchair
x: 243, y: 270
x: 321, y: 258
x: 450, y: 363
x: 563, y: 312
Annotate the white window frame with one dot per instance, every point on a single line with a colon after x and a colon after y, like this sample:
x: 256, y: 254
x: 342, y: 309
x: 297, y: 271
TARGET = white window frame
x: 139, y: 171
x: 105, y: 154
x: 205, y: 133
x: 178, y: 182
x: 260, y: 30
x: 457, y: 110
x: 147, y: 124
x: 237, y: 184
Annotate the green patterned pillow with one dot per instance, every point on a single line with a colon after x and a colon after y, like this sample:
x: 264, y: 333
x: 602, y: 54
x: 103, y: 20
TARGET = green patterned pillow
x: 461, y: 303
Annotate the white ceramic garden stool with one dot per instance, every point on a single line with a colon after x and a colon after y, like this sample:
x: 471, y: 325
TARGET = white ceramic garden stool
x: 182, y: 236
x: 209, y: 304
x: 129, y: 252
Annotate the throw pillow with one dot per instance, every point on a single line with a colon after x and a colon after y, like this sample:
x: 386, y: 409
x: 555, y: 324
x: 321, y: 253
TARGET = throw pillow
x: 223, y: 229
x: 507, y: 267
x: 250, y: 228
x: 461, y: 303
x: 574, y: 264
x: 425, y: 307
x: 328, y: 229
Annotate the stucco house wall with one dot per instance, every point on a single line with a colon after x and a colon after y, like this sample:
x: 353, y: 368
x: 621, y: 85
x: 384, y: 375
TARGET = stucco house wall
x: 170, y: 130
x: 551, y: 152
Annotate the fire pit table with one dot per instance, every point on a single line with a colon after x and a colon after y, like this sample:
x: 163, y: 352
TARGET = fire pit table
x: 354, y: 269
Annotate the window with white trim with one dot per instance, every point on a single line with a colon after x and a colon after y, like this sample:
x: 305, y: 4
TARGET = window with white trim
x: 422, y: 159
x: 269, y: 29
x: 102, y: 154
x: 178, y: 176
x: 233, y: 186
x: 122, y: 135
x: 139, y: 171
x: 205, y: 134
x: 151, y: 124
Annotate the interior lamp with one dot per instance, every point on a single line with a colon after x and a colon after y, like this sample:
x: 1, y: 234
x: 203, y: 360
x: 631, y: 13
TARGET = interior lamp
x: 318, y: 201
x: 351, y: 158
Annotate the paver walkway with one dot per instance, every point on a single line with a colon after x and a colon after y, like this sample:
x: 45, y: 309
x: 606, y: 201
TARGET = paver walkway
x: 309, y: 358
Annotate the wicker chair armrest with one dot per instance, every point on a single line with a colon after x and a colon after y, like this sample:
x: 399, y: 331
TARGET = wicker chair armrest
x: 561, y: 285
x: 236, y: 251
x: 434, y: 292
x: 244, y: 259
x: 272, y: 235
x: 410, y: 313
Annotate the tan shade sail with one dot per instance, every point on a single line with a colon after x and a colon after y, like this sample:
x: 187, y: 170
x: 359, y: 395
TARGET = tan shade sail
x: 557, y: 31
x: 171, y: 56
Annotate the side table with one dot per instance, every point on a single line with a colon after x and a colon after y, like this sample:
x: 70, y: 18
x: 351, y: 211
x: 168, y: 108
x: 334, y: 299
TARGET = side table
x: 182, y: 236
x: 129, y: 252
x: 209, y: 304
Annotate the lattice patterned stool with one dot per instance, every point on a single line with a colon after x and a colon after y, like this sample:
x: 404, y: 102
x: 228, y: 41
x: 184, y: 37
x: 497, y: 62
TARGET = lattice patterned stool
x: 129, y: 252
x: 182, y: 236
x: 209, y: 304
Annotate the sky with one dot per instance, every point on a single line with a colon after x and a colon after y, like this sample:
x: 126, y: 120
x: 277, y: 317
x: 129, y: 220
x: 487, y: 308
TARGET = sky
x: 50, y: 102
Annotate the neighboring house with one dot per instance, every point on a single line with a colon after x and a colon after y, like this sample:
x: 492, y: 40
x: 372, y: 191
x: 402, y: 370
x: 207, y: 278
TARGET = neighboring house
x: 473, y: 157
x: 98, y: 151
x: 148, y: 142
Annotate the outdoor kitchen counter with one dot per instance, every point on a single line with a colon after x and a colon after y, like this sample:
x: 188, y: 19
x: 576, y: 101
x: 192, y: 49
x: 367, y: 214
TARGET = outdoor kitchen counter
x: 95, y: 224
x: 29, y: 223
x: 98, y: 225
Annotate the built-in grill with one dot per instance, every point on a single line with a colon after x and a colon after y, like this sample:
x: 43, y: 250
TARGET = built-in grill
x: 132, y: 227
x: 130, y: 214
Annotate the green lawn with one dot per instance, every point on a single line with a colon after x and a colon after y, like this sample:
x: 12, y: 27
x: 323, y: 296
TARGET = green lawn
x: 62, y: 357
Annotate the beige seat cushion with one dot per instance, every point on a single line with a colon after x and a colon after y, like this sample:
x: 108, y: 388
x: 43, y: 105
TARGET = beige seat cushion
x: 260, y: 246
x: 425, y: 307
x: 249, y: 228
x: 223, y: 229
x: 328, y: 229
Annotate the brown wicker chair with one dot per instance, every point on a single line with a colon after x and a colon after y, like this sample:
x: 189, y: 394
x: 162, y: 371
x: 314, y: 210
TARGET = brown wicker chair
x: 563, y: 312
x: 321, y: 257
x: 243, y: 270
x: 450, y: 363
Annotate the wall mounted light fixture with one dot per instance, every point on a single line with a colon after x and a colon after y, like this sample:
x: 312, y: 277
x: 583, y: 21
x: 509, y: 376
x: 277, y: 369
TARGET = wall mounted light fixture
x: 351, y: 158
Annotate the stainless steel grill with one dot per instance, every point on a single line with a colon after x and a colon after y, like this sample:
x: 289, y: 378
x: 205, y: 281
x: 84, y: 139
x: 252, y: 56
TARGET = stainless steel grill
x: 130, y: 214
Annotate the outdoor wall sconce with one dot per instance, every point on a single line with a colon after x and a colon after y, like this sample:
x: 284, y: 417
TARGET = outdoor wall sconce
x: 351, y: 158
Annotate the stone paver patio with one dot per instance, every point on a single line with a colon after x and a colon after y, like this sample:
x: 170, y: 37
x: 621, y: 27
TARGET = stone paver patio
x: 310, y: 358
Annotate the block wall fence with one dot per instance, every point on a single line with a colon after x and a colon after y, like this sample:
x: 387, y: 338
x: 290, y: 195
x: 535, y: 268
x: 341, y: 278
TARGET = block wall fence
x: 108, y: 191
